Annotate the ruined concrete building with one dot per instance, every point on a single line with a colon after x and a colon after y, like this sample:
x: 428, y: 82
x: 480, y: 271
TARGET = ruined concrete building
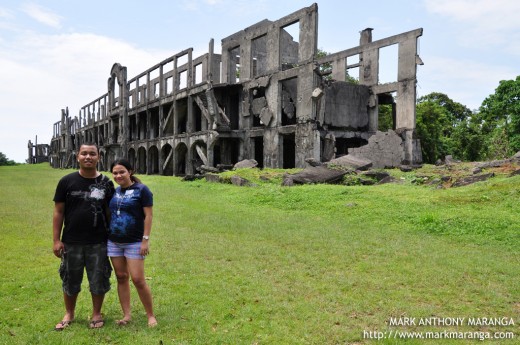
x: 38, y: 153
x: 268, y: 96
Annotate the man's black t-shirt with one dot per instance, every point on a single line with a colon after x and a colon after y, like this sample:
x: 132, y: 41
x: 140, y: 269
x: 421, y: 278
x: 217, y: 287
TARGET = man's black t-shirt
x: 86, y: 201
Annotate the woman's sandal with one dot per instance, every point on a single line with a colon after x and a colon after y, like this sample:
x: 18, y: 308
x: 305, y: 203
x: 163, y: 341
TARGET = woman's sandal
x: 122, y: 322
x: 62, y: 325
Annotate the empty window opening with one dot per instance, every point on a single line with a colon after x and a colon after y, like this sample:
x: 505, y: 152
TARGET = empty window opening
x: 141, y: 126
x: 182, y: 115
x: 289, y: 94
x: 259, y: 55
x: 289, y: 38
x: 155, y: 73
x: 199, y: 154
x: 388, y: 57
x: 168, y: 120
x: 234, y: 65
x: 352, y: 71
x: 141, y: 161
x: 116, y: 94
x: 132, y: 85
x: 258, y: 93
x: 197, y: 115
x: 153, y: 159
x: 142, y: 80
x: 217, y: 159
x: 156, y: 90
x: 132, y: 157
x: 258, y: 142
x: 167, y: 158
x: 183, y: 80
x: 133, y: 128
x: 386, y: 112
x: 234, y: 110
x: 169, y: 85
x: 115, y: 131
x: 154, y: 123
x: 226, y: 151
x: 289, y: 151
x: 198, y: 74
x: 181, y: 153
x: 182, y: 61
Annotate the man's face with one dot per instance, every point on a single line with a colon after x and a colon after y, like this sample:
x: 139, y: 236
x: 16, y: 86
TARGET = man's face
x: 88, y: 157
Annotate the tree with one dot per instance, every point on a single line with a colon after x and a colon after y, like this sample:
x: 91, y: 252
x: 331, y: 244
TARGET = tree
x: 446, y: 127
x: 5, y: 161
x: 500, y: 119
x: 429, y: 126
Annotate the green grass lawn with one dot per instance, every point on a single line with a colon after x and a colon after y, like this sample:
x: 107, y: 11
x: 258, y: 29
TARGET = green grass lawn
x: 312, y: 264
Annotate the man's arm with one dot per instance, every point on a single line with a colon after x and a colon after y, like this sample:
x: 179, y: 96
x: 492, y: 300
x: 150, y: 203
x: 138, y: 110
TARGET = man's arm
x: 57, y: 224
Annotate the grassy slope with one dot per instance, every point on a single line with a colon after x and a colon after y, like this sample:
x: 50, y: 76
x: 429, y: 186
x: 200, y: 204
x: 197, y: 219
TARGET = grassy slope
x: 276, y: 265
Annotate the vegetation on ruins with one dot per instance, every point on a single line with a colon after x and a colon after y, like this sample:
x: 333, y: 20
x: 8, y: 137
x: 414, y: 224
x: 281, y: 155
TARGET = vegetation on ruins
x: 309, y: 264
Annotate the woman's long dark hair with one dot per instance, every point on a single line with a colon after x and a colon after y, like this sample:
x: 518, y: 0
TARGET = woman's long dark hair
x: 124, y: 162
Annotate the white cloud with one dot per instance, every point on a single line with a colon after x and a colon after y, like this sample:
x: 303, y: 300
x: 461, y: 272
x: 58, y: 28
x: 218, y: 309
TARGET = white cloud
x: 5, y: 13
x: 42, y: 74
x: 462, y: 80
x: 486, y: 23
x: 42, y: 15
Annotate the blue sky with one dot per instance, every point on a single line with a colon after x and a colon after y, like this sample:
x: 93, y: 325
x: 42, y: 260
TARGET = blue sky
x: 56, y: 53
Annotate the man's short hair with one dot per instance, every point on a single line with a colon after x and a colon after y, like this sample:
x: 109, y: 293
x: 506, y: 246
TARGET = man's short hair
x: 88, y: 144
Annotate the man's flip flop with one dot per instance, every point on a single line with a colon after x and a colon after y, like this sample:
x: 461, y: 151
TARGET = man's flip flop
x: 62, y: 325
x: 97, y: 323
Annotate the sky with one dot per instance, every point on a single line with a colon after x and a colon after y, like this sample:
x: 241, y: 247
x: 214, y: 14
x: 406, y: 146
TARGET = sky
x: 56, y: 53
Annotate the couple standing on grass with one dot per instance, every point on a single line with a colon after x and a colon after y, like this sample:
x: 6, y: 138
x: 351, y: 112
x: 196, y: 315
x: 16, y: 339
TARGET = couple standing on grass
x: 89, y: 211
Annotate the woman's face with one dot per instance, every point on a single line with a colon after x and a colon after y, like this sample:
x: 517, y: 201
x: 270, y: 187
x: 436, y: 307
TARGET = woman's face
x: 121, y: 175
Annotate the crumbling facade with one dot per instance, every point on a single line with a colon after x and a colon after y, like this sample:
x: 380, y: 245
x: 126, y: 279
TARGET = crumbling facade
x: 38, y: 153
x: 267, y: 97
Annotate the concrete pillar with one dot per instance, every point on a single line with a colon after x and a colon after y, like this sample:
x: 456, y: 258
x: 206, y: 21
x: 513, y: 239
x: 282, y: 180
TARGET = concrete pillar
x: 373, y: 113
x: 339, y: 68
x: 225, y: 65
x: 304, y: 90
x: 271, y: 148
x: 307, y: 140
x: 308, y: 34
x: 246, y: 67
x: 273, y: 50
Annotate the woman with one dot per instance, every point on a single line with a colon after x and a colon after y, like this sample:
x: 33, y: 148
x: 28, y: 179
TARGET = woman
x: 128, y: 237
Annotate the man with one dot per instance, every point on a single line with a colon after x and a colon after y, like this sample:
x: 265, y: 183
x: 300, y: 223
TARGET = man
x: 80, y: 208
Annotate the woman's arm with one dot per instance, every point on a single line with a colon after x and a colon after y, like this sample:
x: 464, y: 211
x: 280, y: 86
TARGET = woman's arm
x: 148, y: 216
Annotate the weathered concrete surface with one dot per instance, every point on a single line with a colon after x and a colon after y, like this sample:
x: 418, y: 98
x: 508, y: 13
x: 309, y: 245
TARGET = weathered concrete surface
x: 246, y: 163
x: 346, y: 106
x: 352, y: 162
x: 384, y: 149
x: 318, y: 174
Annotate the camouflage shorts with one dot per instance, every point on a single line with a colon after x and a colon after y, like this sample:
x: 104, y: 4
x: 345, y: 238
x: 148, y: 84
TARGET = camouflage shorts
x: 90, y: 257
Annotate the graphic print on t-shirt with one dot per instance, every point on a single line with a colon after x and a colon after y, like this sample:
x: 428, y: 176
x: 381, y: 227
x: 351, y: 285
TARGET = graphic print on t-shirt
x: 95, y: 196
x: 124, y: 220
x: 128, y: 216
